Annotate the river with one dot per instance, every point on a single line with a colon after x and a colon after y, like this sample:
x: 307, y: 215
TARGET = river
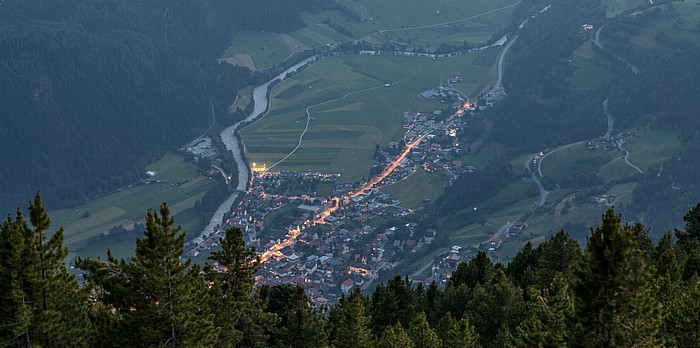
x: 230, y: 139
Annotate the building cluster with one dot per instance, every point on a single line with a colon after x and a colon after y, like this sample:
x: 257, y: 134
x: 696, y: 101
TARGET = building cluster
x: 331, y: 245
x: 203, y: 147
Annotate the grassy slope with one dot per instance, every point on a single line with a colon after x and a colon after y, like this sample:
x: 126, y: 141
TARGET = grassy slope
x: 267, y: 48
x: 129, y: 206
x: 591, y: 72
x: 344, y: 132
x: 413, y: 190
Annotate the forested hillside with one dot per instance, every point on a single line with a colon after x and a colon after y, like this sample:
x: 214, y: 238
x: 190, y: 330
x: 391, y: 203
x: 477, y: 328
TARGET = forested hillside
x: 648, y: 59
x: 621, y: 290
x: 94, y: 90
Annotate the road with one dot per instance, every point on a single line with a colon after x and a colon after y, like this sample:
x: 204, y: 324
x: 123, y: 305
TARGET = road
x: 501, y: 58
x: 308, y: 114
x: 627, y: 154
x: 536, y: 179
x: 610, y: 119
x: 539, y: 164
x: 226, y: 177
x: 596, y: 41
x: 422, y: 269
x: 293, y: 234
x: 619, y: 142
x: 501, y: 231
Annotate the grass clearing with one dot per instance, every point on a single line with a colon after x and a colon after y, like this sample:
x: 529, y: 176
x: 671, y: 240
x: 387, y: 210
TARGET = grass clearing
x: 591, y: 72
x: 245, y: 97
x: 615, y: 169
x: 415, y: 189
x: 573, y: 160
x: 652, y: 147
x: 173, y: 168
x: 343, y: 132
x: 265, y: 48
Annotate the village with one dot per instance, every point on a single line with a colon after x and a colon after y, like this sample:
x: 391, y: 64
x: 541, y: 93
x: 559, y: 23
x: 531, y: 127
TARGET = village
x: 332, y: 244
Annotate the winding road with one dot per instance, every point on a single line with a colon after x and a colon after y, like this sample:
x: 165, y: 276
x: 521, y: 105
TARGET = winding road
x: 543, y: 193
x: 501, y: 58
x: 618, y: 142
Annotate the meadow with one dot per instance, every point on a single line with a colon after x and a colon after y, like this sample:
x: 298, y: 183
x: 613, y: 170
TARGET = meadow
x: 415, y: 189
x: 410, y: 24
x: 351, y: 109
x: 591, y: 71
x: 129, y: 206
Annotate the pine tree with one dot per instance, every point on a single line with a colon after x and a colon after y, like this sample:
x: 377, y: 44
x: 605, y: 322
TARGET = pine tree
x: 524, y: 265
x: 301, y: 323
x: 479, y: 270
x: 161, y: 301
x: 496, y: 304
x: 352, y: 329
x: 689, y: 243
x: 460, y: 334
x: 692, y: 226
x: 394, y: 336
x: 422, y: 335
x: 237, y: 311
x: 41, y: 304
x: 614, y: 296
x: 395, y: 301
x: 545, y: 324
x: 557, y: 255
x: 683, y: 320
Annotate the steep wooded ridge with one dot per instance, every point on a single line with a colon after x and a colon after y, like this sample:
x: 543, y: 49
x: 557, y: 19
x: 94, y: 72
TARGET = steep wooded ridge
x: 91, y: 91
x: 621, y: 290
x: 544, y: 109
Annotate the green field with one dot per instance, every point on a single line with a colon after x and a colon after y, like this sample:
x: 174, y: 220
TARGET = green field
x: 129, y: 206
x: 342, y: 136
x: 652, y: 147
x: 264, y: 49
x: 615, y: 169
x: 678, y: 24
x: 245, y: 97
x: 590, y: 70
x: 573, y: 160
x: 407, y: 23
x: 413, y: 191
x: 173, y: 168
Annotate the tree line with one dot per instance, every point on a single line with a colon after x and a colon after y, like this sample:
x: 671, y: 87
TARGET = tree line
x: 622, y: 289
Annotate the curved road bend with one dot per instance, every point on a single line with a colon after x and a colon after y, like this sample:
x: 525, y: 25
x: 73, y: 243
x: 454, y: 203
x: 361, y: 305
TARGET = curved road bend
x: 501, y: 58
x: 536, y: 179
x: 619, y: 143
x: 539, y: 164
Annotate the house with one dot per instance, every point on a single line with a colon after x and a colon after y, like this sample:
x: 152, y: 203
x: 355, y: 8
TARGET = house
x: 361, y: 269
x: 347, y: 285
x: 453, y: 260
